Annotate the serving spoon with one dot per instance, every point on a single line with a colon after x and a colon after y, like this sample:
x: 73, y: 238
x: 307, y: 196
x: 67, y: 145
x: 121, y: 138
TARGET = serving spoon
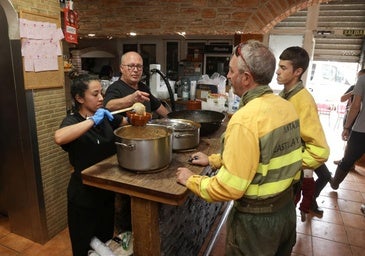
x: 138, y: 107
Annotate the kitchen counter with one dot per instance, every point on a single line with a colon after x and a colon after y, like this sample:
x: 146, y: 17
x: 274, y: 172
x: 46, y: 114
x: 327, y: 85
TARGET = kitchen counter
x: 149, y: 190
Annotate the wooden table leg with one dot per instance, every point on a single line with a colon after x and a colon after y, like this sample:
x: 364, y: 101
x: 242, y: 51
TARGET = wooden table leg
x: 145, y: 226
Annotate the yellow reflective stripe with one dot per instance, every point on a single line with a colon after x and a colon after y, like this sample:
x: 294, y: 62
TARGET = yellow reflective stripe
x: 268, y: 189
x: 204, y: 189
x: 279, y: 162
x: 231, y: 180
x: 254, y: 190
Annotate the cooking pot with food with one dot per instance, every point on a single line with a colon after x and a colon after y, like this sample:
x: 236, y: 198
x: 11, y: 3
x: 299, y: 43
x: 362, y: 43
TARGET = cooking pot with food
x: 144, y: 148
x: 186, y: 133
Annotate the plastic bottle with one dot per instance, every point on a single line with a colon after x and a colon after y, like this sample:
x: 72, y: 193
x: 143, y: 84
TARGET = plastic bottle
x: 185, y: 91
x: 178, y: 88
x: 100, y: 247
x: 192, y: 89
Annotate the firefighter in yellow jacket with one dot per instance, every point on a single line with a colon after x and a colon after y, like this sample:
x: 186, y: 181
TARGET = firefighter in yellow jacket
x: 260, y: 160
x: 292, y: 64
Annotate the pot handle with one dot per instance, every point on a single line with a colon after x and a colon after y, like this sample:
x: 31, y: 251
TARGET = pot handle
x: 184, y: 135
x: 129, y: 147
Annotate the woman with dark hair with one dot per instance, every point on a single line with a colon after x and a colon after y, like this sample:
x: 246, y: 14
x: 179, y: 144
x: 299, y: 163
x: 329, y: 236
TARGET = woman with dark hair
x: 87, y: 136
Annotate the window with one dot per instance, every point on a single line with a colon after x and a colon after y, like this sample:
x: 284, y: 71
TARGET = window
x: 148, y: 53
x: 172, y: 60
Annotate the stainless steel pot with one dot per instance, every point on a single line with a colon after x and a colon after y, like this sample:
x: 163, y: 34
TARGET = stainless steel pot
x: 186, y: 133
x: 209, y: 120
x: 144, y: 148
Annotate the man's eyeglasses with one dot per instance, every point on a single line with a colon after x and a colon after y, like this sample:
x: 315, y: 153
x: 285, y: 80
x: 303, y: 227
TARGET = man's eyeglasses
x: 237, y: 52
x: 133, y: 66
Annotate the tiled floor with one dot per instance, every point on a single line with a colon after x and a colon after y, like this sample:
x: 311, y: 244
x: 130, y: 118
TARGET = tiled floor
x: 340, y: 232
x: 14, y: 245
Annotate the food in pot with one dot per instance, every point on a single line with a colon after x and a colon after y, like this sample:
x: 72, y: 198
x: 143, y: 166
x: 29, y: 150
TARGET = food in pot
x: 143, y: 133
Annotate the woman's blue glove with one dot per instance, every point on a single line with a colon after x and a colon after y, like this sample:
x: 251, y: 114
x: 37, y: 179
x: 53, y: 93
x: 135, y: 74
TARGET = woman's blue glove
x: 100, y: 114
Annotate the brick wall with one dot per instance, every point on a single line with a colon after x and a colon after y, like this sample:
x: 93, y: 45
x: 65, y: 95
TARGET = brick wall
x: 50, y: 109
x: 166, y: 17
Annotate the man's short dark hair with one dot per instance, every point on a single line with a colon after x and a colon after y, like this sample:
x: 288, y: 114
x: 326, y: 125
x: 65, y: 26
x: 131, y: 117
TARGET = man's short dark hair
x: 297, y: 55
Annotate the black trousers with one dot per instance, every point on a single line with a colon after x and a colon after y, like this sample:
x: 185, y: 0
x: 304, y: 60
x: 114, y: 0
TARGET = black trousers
x: 85, y: 223
x: 354, y: 150
x: 323, y: 176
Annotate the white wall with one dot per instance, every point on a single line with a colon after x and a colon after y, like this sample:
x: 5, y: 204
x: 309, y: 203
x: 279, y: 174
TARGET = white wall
x: 278, y: 43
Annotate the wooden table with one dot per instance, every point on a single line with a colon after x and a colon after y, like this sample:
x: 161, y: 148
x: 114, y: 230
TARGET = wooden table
x: 147, y: 190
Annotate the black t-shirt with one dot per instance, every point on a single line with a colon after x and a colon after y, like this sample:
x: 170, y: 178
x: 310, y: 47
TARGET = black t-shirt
x: 90, y: 148
x: 119, y: 89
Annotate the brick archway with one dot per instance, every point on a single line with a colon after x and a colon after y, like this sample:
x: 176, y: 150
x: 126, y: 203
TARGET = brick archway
x: 272, y: 12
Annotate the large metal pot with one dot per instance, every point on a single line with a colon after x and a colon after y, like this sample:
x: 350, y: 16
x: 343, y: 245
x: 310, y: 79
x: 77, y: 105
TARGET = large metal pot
x: 186, y: 133
x: 144, y: 148
x: 209, y: 120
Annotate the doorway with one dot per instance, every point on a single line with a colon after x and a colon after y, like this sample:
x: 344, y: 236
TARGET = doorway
x: 21, y: 194
x: 5, y: 72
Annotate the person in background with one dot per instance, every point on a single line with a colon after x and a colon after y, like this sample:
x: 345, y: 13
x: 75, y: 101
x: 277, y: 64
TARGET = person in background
x: 260, y: 160
x: 106, y: 72
x: 87, y: 136
x: 353, y: 134
x: 348, y: 96
x: 293, y: 63
x: 105, y: 76
x: 129, y: 89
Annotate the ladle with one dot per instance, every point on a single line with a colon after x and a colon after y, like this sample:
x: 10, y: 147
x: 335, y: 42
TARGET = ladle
x: 138, y: 107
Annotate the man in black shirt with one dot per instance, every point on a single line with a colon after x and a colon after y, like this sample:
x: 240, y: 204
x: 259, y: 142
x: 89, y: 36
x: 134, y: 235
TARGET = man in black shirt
x: 129, y: 89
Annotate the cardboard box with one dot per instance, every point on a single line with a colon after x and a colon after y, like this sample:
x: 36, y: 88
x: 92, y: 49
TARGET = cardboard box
x: 202, y: 90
